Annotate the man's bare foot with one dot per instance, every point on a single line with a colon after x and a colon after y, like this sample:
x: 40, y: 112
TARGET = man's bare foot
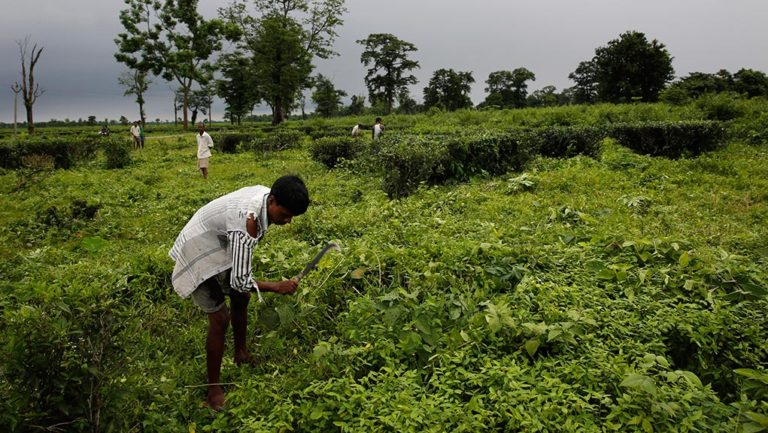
x: 215, y: 400
x: 245, y: 358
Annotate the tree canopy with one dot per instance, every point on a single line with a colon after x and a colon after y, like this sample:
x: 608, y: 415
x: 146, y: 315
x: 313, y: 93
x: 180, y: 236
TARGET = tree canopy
x: 386, y: 57
x: 628, y: 69
x: 449, y: 90
x: 508, y: 89
x: 326, y: 97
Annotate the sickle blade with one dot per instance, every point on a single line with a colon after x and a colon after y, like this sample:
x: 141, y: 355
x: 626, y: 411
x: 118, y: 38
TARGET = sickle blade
x: 311, y: 265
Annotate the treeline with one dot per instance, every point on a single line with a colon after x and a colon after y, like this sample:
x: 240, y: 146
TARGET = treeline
x: 274, y: 45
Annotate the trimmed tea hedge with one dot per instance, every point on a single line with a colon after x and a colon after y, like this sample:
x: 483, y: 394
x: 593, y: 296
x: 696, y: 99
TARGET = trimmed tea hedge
x: 331, y: 150
x: 65, y: 152
x: 669, y: 139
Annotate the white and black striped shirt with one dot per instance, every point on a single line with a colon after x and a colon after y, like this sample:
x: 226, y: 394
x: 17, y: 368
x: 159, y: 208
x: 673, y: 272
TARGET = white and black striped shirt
x: 215, y: 239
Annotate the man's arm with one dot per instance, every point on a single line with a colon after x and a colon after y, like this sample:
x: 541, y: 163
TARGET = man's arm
x: 286, y: 287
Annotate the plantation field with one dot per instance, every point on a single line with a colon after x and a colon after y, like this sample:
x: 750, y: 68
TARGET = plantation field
x: 608, y: 291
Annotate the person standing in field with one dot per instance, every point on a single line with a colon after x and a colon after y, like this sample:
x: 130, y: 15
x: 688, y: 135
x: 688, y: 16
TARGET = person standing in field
x: 135, y: 134
x: 356, y: 130
x: 204, y: 145
x: 141, y: 135
x: 213, y: 260
x: 378, y: 128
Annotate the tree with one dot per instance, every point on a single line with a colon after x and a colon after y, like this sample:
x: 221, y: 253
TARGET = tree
x: 283, y: 37
x: 282, y: 65
x: 172, y: 40
x: 585, y: 77
x: 200, y: 101
x: 326, y: 97
x: 135, y: 82
x: 750, y: 82
x: 30, y: 90
x: 449, y: 90
x: 544, y: 97
x: 237, y: 87
x: 356, y: 105
x: 695, y: 85
x: 389, y: 64
x: 628, y: 69
x: 508, y: 89
x: 406, y: 104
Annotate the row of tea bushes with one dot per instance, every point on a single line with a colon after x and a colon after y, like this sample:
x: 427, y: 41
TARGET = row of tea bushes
x: 408, y: 160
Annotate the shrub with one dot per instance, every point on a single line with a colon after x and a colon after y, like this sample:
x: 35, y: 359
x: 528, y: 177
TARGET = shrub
x: 488, y: 152
x: 670, y: 139
x: 282, y: 139
x: 721, y: 106
x: 408, y: 161
x: 117, y: 153
x: 228, y: 143
x: 331, y: 150
x: 63, y: 152
x: 567, y: 141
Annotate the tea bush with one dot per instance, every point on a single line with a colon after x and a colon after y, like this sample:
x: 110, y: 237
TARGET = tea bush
x: 331, y: 150
x: 117, y: 153
x: 670, y: 139
x: 64, y: 151
x: 280, y: 139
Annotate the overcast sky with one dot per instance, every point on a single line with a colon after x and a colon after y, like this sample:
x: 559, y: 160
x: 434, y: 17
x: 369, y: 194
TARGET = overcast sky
x: 78, y: 71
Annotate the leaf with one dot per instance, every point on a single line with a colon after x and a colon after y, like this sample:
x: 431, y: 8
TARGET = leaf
x: 321, y: 350
x: 684, y: 260
x: 358, y: 273
x: 532, y: 345
x: 641, y: 382
x: 606, y: 274
x: 94, y: 244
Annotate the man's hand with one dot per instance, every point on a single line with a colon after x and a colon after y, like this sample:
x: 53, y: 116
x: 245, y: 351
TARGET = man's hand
x: 286, y: 287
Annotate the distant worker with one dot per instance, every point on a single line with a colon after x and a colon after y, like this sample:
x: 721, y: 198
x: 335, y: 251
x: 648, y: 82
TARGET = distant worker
x: 141, y: 135
x: 204, y: 145
x: 356, y: 130
x: 378, y: 128
x: 104, y: 130
x: 135, y: 134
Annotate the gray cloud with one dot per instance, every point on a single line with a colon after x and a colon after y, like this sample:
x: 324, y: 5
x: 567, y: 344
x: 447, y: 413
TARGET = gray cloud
x: 549, y: 37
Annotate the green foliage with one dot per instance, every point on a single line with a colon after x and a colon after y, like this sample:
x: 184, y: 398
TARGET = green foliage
x: 332, y: 150
x: 326, y: 97
x: 620, y: 292
x: 449, y: 90
x: 228, y: 142
x: 389, y: 67
x: 117, y: 153
x: 628, y: 69
x: 64, y: 151
x: 567, y: 141
x: 721, y: 106
x: 508, y: 89
x: 280, y: 139
x: 670, y: 139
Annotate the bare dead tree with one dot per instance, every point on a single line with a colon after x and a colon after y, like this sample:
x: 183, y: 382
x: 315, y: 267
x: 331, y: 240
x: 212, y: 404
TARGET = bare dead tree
x: 16, y: 89
x: 30, y: 90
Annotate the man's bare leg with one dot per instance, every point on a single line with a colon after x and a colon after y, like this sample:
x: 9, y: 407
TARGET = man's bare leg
x: 218, y: 323
x: 240, y: 326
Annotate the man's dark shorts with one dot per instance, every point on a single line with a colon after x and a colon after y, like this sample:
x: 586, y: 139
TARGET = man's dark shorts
x: 210, y: 295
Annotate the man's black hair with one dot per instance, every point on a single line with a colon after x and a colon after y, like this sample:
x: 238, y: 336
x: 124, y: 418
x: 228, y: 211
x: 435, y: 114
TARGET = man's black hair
x: 290, y: 192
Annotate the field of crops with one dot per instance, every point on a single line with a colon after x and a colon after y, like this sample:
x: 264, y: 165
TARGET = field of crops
x: 600, y: 290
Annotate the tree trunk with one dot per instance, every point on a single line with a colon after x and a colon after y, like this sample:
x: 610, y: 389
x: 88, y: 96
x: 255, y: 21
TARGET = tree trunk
x: 278, y: 112
x: 185, y: 108
x: 30, y: 121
